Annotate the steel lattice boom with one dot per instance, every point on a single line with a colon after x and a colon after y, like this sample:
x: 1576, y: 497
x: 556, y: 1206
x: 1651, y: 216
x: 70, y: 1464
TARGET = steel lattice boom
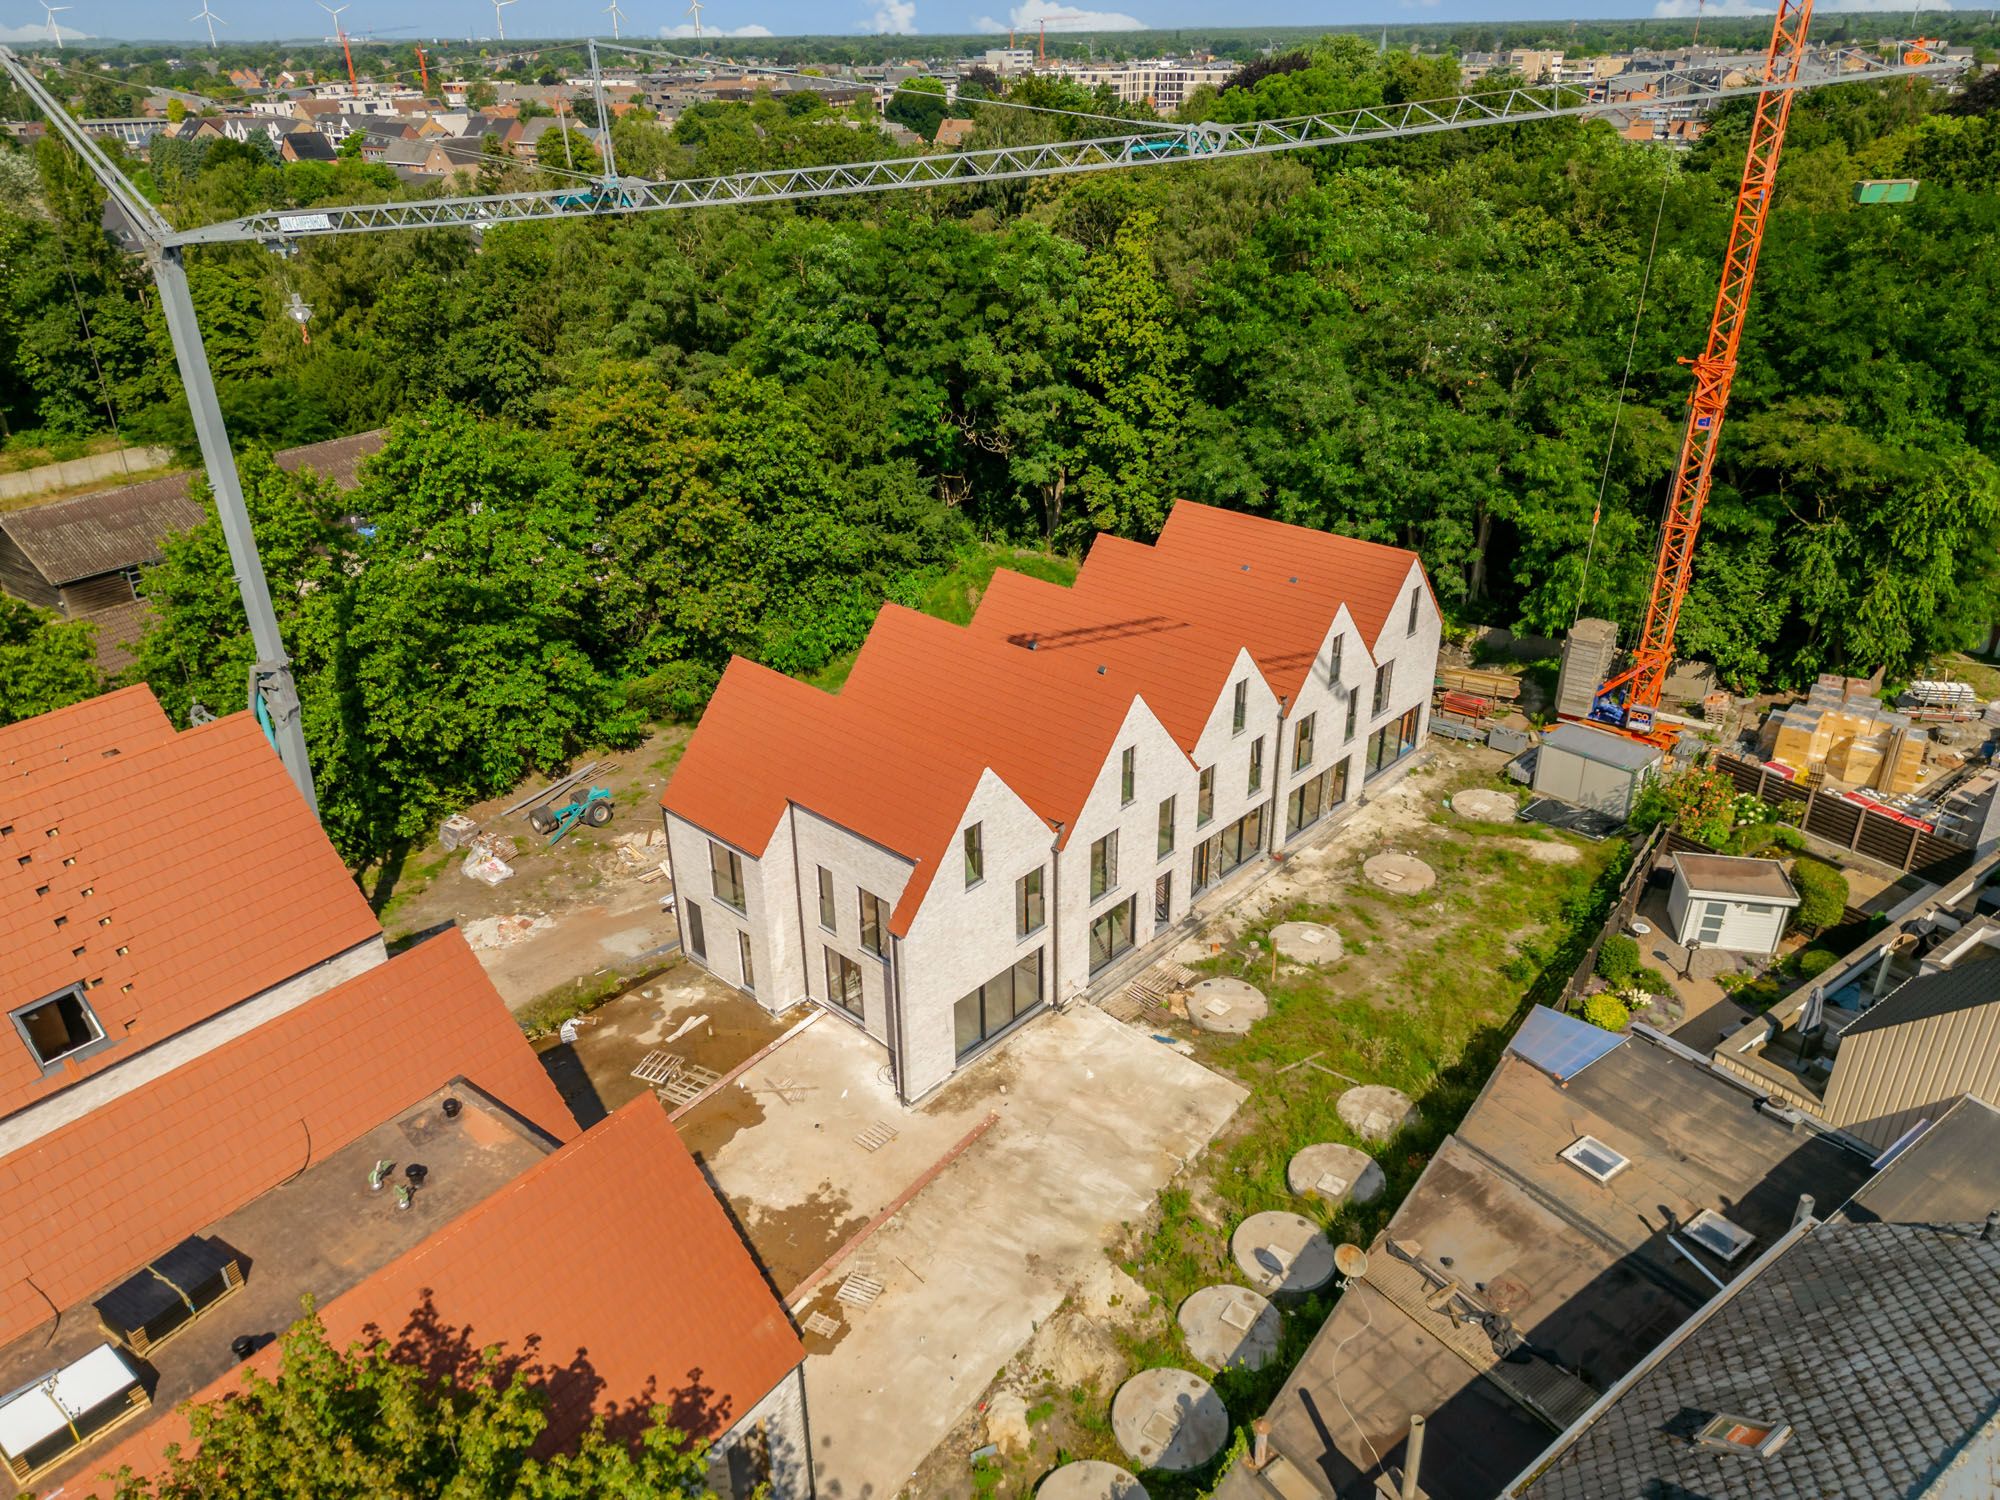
x: 1159, y: 146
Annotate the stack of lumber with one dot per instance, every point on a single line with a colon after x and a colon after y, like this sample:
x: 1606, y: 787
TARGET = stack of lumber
x: 1478, y: 683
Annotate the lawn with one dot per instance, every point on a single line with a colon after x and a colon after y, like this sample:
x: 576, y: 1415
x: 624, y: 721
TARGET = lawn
x: 1424, y: 999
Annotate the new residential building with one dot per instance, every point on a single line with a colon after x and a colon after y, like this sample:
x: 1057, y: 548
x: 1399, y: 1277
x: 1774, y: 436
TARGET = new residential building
x: 990, y: 818
x: 1165, y: 85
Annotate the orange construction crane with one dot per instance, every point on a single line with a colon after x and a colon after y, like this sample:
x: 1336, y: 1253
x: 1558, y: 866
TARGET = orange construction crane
x: 1628, y: 700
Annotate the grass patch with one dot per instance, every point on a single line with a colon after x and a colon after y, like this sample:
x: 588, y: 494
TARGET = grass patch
x: 545, y: 1013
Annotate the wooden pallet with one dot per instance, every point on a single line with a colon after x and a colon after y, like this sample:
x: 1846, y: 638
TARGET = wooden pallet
x: 657, y: 1067
x: 822, y: 1324
x: 688, y: 1084
x: 1151, y: 990
x: 876, y: 1136
x: 858, y: 1290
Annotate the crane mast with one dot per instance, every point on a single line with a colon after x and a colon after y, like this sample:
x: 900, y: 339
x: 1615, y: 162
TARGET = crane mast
x: 1629, y: 699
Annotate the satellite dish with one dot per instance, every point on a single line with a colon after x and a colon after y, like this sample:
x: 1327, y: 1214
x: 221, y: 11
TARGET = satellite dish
x: 1350, y: 1260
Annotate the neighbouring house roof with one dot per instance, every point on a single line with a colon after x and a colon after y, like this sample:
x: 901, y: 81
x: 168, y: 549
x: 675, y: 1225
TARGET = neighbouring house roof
x: 91, y: 1201
x: 337, y: 459
x: 615, y: 1300
x: 952, y: 132
x: 1602, y: 746
x: 1878, y: 1344
x: 1961, y: 987
x: 81, y: 736
x: 309, y: 145
x: 93, y: 534
x: 119, y: 630
x: 173, y: 881
x: 1737, y: 877
x: 1949, y: 1175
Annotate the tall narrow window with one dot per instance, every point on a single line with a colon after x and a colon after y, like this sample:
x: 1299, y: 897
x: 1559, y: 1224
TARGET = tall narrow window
x: 743, y: 958
x: 1302, y: 743
x: 1384, y: 679
x: 1333, y: 661
x: 1128, y: 776
x: 872, y: 925
x: 1239, y: 711
x: 1103, y: 864
x: 1256, y: 783
x: 975, y: 856
x: 827, y: 917
x: 725, y: 875
x: 1416, y: 599
x: 697, y: 939
x: 1167, y: 826
x: 843, y: 982
x: 1030, y: 911
x: 1204, y: 797
x: 1353, y: 711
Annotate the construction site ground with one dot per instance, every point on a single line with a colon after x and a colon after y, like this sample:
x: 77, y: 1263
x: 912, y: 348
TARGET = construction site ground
x: 573, y: 915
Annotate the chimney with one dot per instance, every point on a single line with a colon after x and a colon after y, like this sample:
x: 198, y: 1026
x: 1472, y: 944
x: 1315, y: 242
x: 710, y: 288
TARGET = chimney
x: 1991, y: 1232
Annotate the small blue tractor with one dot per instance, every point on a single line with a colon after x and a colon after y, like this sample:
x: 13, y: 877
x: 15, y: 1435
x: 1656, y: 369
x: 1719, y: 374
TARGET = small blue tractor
x: 556, y: 818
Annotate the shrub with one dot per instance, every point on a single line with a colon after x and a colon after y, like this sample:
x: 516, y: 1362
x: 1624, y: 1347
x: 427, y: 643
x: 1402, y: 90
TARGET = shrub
x: 1606, y: 1010
x: 1618, y: 959
x: 1814, y: 962
x: 1652, y: 981
x: 1759, y: 994
x: 1822, y: 896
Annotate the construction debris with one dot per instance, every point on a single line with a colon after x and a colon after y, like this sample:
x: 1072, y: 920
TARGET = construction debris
x: 504, y: 932
x: 487, y: 859
x: 458, y: 832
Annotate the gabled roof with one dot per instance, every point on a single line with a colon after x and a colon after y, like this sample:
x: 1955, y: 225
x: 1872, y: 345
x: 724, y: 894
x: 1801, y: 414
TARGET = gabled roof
x: 92, y: 534
x: 1367, y: 577
x: 78, y: 738
x: 93, y: 1200
x: 337, y: 459
x: 1961, y: 987
x: 656, y: 1302
x: 309, y: 145
x: 173, y: 881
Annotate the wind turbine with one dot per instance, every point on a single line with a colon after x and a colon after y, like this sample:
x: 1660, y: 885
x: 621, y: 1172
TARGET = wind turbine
x: 499, y: 23
x: 211, y: 17
x: 694, y: 9
x: 616, y: 15
x: 50, y: 17
x: 333, y: 12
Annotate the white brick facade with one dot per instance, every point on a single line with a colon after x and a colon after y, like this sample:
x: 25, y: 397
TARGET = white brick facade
x: 770, y: 1445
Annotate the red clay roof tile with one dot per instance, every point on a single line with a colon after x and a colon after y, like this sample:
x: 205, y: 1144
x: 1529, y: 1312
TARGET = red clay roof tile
x: 78, y: 738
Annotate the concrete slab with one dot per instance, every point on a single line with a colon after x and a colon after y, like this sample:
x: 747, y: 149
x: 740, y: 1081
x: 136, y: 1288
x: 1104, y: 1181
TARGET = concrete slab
x: 1090, y: 1479
x: 1169, y: 1419
x: 1094, y: 1118
x: 1281, y: 1253
x: 1231, y: 1327
x: 1484, y: 805
x: 1375, y: 1111
x: 1334, y: 1173
x: 1307, y: 942
x: 1403, y: 873
x: 1228, y: 1006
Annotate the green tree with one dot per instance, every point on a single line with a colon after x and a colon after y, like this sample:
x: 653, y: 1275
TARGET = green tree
x: 45, y: 663
x: 919, y: 104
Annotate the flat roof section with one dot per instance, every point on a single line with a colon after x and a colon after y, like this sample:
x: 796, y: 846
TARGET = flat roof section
x: 1602, y: 746
x: 1731, y: 875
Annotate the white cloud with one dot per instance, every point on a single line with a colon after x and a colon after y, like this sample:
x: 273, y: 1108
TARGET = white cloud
x: 1688, y: 8
x: 40, y: 32
x: 894, y: 18
x: 686, y: 29
x: 1032, y: 16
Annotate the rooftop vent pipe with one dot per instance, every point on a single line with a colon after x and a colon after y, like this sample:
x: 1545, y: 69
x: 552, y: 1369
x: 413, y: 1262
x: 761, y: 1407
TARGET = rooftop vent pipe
x: 1992, y: 1230
x: 451, y: 1109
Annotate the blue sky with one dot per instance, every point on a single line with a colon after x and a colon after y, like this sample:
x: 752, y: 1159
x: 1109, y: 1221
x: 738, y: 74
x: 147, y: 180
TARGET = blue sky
x: 21, y: 20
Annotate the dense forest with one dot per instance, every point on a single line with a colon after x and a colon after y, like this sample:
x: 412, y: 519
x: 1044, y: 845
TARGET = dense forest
x: 623, y: 449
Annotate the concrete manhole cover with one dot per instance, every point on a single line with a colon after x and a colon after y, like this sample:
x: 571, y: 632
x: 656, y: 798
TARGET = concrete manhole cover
x: 1090, y: 1479
x: 1169, y: 1419
x: 1307, y: 942
x: 1226, y: 1005
x: 1230, y: 1326
x: 1483, y: 805
x: 1280, y: 1252
x: 1375, y: 1112
x: 1335, y: 1173
x: 1402, y: 873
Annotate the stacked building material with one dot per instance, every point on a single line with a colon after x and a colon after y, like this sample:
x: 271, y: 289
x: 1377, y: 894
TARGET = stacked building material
x: 1590, y: 655
x: 1845, y: 735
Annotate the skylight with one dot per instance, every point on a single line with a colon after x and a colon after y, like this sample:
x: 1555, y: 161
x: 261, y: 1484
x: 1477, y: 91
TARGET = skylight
x: 58, y: 1026
x: 1718, y: 1236
x: 1594, y: 1159
x: 1749, y: 1435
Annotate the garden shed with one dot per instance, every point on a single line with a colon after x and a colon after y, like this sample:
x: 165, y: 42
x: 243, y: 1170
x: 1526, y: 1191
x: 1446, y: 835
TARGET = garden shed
x: 1594, y: 768
x: 1725, y: 901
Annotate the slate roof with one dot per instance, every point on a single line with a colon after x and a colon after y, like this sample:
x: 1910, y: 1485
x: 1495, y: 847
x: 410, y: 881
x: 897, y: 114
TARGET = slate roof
x: 1961, y: 987
x: 1878, y: 1343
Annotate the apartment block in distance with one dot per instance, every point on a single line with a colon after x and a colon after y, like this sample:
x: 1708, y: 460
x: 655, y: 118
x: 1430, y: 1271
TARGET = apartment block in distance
x: 992, y: 818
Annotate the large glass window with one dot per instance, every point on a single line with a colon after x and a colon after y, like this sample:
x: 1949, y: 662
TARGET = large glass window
x: 725, y: 875
x: 1167, y: 826
x: 1239, y: 710
x: 1393, y: 741
x: 1228, y: 850
x: 1204, y: 797
x: 873, y: 924
x: 1385, y: 677
x: 999, y: 1003
x: 1128, y: 777
x: 1312, y: 800
x: 743, y: 959
x: 697, y: 939
x: 827, y: 916
x: 975, y: 855
x: 1030, y: 910
x: 1104, y: 864
x: 1111, y: 934
x: 1302, y: 743
x: 1256, y: 782
x: 843, y: 982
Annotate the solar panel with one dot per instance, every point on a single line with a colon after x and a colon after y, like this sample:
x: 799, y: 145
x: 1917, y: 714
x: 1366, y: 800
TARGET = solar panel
x: 1561, y: 1046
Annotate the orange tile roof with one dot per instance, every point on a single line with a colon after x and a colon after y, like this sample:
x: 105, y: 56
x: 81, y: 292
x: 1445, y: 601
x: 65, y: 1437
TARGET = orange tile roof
x: 88, y: 1203
x: 610, y: 1265
x: 174, y: 880
x: 78, y: 737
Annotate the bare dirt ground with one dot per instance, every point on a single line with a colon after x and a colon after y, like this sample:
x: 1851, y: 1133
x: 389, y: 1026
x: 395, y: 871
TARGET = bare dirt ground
x: 600, y: 917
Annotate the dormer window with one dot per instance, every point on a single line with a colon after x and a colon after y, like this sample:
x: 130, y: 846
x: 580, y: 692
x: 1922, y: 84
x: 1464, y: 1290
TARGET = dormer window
x: 58, y: 1027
